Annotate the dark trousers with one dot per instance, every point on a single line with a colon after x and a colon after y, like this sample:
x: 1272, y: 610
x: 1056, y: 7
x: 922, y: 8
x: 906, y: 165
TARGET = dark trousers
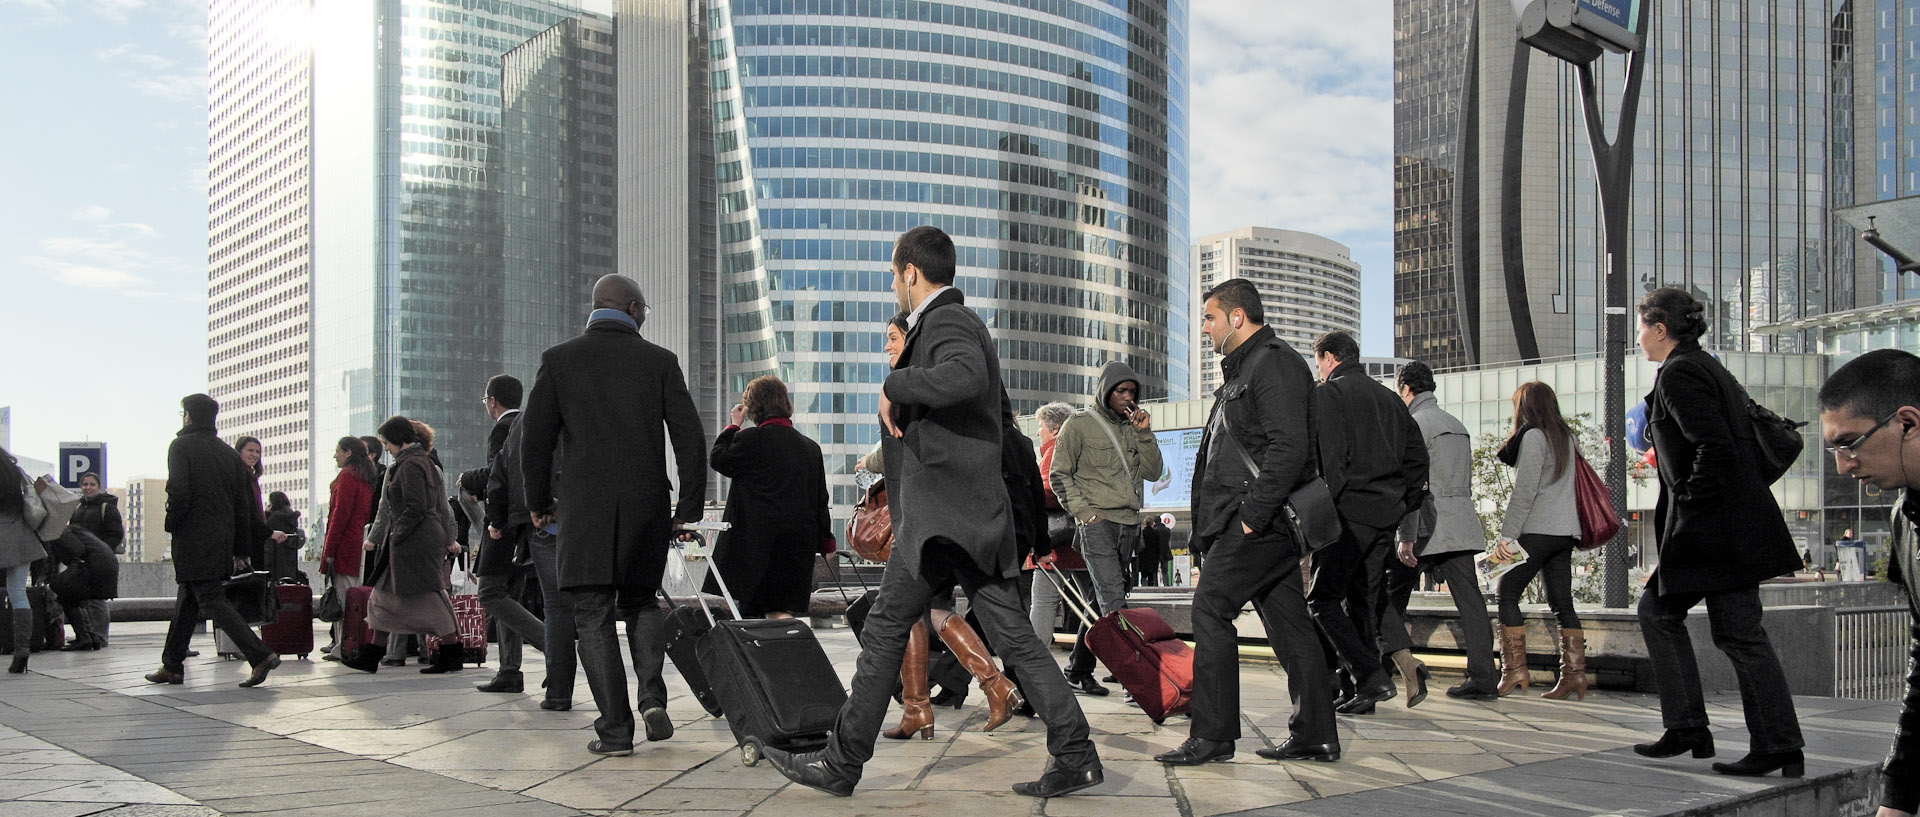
x: 561, y: 634
x: 1733, y: 617
x: 500, y: 597
x: 207, y: 600
x: 1264, y: 570
x: 1552, y: 558
x: 1348, y: 579
x: 995, y: 604
x: 594, y: 611
x: 1476, y: 633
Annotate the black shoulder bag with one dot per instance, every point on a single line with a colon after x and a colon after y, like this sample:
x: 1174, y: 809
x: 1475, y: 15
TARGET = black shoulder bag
x: 1309, y: 509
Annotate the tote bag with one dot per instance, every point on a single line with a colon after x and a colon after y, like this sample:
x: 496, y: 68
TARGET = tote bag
x: 1598, y: 522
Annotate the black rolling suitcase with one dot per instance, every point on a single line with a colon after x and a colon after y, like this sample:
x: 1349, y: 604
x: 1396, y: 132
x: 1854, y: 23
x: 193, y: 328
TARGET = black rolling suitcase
x: 772, y: 679
x: 680, y: 634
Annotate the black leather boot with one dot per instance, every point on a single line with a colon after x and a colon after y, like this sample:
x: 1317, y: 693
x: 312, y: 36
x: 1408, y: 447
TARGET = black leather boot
x: 447, y: 658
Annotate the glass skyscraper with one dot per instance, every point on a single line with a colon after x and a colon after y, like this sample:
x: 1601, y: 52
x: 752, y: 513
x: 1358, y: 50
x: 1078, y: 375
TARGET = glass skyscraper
x: 1048, y: 137
x: 1497, y: 236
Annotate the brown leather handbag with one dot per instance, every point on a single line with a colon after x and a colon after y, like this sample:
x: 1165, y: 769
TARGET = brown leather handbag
x: 870, y: 531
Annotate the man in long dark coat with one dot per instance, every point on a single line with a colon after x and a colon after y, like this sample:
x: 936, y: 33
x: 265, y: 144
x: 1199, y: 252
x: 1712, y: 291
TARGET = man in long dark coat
x: 612, y: 401
x: 941, y: 410
x: 210, y: 512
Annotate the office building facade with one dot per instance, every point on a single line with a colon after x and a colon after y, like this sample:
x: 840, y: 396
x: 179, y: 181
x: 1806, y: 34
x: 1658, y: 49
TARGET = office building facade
x: 1497, y: 236
x: 143, y: 513
x: 1309, y: 286
x: 1049, y: 139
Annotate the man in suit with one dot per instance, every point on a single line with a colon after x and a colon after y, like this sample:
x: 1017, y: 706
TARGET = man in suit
x: 1257, y: 449
x: 1375, y: 463
x: 1870, y: 417
x: 503, y: 576
x: 210, y: 512
x: 611, y: 402
x: 941, y: 411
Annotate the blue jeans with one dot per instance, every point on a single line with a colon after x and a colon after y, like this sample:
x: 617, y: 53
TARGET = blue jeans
x: 561, y: 629
x: 17, y: 585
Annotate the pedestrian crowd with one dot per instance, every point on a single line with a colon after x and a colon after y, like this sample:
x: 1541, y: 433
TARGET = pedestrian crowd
x: 1319, y: 499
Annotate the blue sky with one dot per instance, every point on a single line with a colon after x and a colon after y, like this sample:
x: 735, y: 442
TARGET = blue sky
x: 103, y: 226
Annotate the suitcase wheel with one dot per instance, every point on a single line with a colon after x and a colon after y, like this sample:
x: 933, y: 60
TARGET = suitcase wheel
x: 749, y: 753
x: 303, y: 656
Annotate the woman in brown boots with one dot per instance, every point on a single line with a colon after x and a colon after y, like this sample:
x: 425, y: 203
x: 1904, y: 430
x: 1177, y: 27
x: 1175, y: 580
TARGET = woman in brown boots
x: 1541, y: 526
x: 1002, y: 696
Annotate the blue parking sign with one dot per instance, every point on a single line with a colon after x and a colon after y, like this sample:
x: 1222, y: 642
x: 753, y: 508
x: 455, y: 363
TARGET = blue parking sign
x: 81, y: 458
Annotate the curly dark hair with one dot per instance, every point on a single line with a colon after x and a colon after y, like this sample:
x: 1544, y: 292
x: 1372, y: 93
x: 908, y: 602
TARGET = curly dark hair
x: 766, y: 398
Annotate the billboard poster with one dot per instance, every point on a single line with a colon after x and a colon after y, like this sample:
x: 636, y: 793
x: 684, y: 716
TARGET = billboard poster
x: 1173, y: 487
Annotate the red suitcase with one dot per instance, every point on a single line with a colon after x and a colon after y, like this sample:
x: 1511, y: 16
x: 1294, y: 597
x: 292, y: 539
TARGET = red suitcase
x: 473, y: 631
x: 1153, y: 665
x: 291, y: 631
x: 355, y: 632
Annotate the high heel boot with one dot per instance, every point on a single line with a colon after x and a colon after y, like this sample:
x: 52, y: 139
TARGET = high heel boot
x: 1573, y: 667
x: 1513, y: 659
x: 1002, y: 696
x: 450, y: 657
x: 917, y: 712
x: 22, y: 638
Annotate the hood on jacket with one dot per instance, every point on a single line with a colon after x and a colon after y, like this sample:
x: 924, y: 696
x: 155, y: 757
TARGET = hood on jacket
x: 1111, y: 376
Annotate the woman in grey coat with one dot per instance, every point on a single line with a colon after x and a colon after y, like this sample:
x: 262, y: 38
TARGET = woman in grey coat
x: 410, y: 595
x: 1543, y: 521
x: 20, y: 547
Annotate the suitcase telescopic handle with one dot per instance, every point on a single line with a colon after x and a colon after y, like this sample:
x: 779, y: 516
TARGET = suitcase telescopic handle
x: 712, y: 569
x: 1069, y: 594
x: 834, y: 568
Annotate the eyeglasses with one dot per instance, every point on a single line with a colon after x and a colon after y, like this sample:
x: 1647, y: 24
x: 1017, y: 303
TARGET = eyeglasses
x: 1852, y: 448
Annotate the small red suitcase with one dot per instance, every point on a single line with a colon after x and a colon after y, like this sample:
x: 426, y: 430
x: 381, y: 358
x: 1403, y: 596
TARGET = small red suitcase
x: 1153, y: 665
x: 355, y: 632
x: 291, y: 631
x: 473, y: 631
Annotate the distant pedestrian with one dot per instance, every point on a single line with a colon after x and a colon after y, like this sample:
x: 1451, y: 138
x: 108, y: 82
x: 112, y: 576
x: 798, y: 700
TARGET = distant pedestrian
x: 19, y: 548
x: 88, y: 579
x: 1720, y: 534
x: 1541, y: 526
x: 283, y: 552
x: 1153, y: 555
x: 263, y: 539
x: 1061, y: 554
x: 506, y: 510
x: 503, y: 562
x: 349, y: 511
x: 776, y: 507
x: 616, y: 401
x: 213, y: 519
x: 1870, y: 417
x: 99, y: 513
x: 410, y: 592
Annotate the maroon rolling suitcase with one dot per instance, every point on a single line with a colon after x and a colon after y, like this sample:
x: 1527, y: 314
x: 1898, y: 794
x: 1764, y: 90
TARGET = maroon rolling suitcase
x: 1153, y: 665
x: 355, y: 632
x: 291, y: 630
x: 473, y: 631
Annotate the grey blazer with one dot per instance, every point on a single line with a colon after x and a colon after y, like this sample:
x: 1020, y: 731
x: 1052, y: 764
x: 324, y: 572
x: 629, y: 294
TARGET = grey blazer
x: 1456, y: 527
x: 1541, y: 503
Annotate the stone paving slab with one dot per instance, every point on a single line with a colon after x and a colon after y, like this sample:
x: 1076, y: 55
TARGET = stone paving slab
x: 84, y: 734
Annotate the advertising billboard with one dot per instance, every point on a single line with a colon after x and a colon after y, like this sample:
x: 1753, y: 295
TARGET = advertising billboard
x: 1173, y: 488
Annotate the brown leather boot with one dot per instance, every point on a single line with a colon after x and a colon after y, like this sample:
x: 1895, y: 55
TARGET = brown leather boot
x: 1573, y: 667
x: 918, y: 714
x: 1513, y: 659
x: 1002, y: 696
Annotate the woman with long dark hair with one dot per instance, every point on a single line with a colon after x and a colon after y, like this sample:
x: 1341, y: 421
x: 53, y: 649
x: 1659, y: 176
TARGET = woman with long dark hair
x: 1542, y: 520
x: 1720, y: 534
x: 410, y: 590
x: 252, y: 452
x: 20, y: 547
x: 349, y: 510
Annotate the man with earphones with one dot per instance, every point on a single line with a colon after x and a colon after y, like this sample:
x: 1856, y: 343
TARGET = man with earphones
x: 1870, y: 417
x: 1257, y: 450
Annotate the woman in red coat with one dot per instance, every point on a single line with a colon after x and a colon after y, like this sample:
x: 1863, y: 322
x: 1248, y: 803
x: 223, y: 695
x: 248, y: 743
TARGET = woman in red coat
x: 348, y: 512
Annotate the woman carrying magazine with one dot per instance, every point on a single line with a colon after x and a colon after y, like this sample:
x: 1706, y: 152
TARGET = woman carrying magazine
x: 1542, y: 526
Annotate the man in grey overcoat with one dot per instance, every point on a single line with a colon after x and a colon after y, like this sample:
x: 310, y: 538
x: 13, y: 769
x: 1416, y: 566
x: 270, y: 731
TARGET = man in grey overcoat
x: 940, y: 412
x: 1440, y: 538
x: 611, y: 401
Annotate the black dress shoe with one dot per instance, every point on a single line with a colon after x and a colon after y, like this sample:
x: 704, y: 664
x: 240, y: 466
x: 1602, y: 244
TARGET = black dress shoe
x: 504, y: 681
x: 552, y: 705
x: 1086, y: 684
x: 809, y: 769
x: 1364, y: 699
x: 1057, y: 781
x: 659, y: 726
x: 1695, y: 739
x: 1196, y: 751
x: 1468, y: 692
x: 1790, y: 763
x: 610, y: 749
x: 1295, y: 749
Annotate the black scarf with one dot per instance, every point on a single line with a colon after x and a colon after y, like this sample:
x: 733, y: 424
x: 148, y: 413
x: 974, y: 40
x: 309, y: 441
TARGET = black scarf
x: 1510, y: 452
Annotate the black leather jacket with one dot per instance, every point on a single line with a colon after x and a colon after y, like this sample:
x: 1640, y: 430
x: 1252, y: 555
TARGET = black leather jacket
x: 1902, y: 769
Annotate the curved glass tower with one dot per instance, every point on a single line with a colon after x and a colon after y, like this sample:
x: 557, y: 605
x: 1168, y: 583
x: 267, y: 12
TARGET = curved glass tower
x: 1048, y: 137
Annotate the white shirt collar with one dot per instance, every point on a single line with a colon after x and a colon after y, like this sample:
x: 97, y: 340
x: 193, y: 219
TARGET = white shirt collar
x: 913, y: 318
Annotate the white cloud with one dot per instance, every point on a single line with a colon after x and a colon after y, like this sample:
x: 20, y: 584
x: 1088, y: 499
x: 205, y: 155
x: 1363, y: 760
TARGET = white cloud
x: 86, y: 277
x: 92, y: 212
x: 108, y: 259
x: 175, y: 87
x: 130, y: 55
x: 1292, y: 120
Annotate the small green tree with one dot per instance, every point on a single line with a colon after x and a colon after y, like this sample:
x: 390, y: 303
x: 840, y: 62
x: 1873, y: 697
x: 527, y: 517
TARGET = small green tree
x: 1493, y: 487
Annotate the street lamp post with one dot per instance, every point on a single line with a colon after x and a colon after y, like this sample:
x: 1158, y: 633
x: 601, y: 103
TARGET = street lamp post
x: 1577, y: 31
